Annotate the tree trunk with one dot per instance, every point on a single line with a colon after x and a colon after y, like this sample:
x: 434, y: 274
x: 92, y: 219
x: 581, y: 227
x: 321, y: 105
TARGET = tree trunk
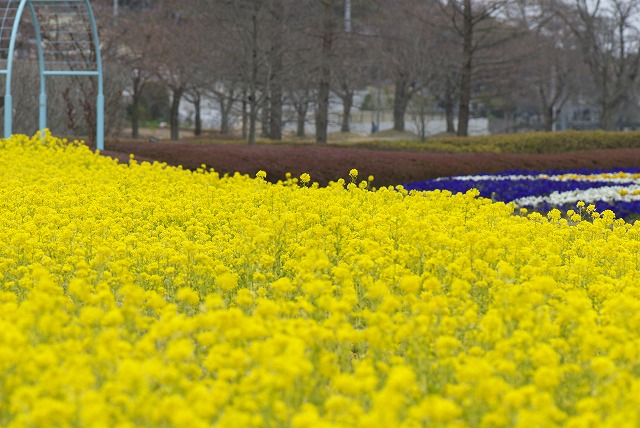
x: 465, y: 72
x: 449, y: 114
x: 174, y: 121
x: 275, y: 116
x: 607, y: 119
x: 275, y: 111
x: 546, y: 108
x: 138, y: 86
x: 222, y: 105
x: 135, y: 115
x: 347, y: 103
x: 400, y: 102
x: 226, y: 106
x: 322, y: 111
x: 224, y: 117
x: 301, y: 118
x: 449, y: 107
x: 264, y: 119
x: 198, y: 115
x: 253, y: 101
x: 607, y: 110
x: 301, y: 122
x: 548, y: 116
x: 245, y: 115
x: 423, y: 123
x: 253, y: 120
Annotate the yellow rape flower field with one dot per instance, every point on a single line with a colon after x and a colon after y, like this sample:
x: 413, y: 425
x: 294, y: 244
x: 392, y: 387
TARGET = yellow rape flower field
x: 147, y: 295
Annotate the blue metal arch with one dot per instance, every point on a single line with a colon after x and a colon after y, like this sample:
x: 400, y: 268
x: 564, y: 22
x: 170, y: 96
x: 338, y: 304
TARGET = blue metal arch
x: 44, y: 71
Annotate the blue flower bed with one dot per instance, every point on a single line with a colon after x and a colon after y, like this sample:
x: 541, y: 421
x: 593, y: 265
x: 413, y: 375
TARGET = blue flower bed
x: 544, y: 190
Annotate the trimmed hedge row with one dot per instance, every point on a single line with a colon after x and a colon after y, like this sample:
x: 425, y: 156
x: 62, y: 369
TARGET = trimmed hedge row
x: 531, y: 142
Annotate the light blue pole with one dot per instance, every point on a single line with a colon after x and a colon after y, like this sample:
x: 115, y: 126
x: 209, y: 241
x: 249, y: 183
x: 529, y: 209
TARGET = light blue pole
x: 100, y: 123
x: 8, y: 104
x: 7, y: 97
x: 100, y: 102
x: 70, y: 73
x: 43, y: 84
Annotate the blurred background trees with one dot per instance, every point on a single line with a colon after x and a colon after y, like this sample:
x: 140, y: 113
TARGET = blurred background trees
x: 291, y: 68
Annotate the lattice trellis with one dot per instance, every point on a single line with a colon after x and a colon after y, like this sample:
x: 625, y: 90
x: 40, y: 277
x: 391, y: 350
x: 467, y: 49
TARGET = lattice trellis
x: 66, y: 39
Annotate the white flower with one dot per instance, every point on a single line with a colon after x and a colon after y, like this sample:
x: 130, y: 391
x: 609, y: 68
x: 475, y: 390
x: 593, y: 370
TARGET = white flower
x: 609, y: 193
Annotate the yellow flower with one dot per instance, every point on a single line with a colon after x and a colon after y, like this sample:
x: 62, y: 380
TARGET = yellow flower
x: 244, y: 298
x: 547, y: 377
x: 410, y: 284
x: 180, y: 349
x: 282, y: 286
x: 227, y: 281
x: 602, y: 366
x: 188, y: 296
x: 446, y: 345
x: 436, y: 409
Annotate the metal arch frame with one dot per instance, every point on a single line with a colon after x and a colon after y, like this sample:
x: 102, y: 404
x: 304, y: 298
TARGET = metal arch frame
x: 8, y: 104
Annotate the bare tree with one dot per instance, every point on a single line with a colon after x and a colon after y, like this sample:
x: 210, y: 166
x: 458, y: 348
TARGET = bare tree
x: 194, y: 96
x: 554, y: 68
x: 327, y: 37
x: 444, y: 66
x: 276, y: 65
x: 352, y: 70
x: 132, y: 35
x: 173, y: 52
x: 301, y: 99
x: 354, y: 52
x: 420, y: 109
x: 474, y: 24
x: 225, y: 93
x: 160, y: 43
x: 254, y: 38
x: 407, y: 50
x: 610, y: 43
